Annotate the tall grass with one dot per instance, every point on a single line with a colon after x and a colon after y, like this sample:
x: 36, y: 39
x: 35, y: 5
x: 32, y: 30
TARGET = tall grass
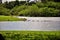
x: 31, y: 35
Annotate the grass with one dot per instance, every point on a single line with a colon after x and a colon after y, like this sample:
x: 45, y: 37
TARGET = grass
x: 31, y: 35
x: 11, y: 18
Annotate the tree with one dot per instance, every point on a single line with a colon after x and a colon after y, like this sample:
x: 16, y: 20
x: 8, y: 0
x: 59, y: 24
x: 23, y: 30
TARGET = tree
x: 9, y: 5
x: 28, y: 0
x: 16, y: 2
x: 0, y: 1
x: 4, y: 11
x: 57, y: 0
x: 44, y: 1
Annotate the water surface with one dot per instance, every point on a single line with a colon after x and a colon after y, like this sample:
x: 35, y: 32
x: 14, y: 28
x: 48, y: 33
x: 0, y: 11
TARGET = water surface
x: 33, y: 23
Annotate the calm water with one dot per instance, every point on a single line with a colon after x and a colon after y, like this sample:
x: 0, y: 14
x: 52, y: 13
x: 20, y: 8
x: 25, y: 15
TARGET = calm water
x: 33, y: 23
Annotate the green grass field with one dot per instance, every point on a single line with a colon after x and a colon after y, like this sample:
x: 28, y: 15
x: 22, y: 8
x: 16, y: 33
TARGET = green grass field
x: 11, y: 18
x: 31, y: 35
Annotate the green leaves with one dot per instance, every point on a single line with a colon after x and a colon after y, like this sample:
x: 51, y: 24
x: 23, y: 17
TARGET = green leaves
x: 38, y: 9
x: 35, y: 11
x: 31, y: 35
x: 17, y: 9
x: 48, y: 12
x: 30, y: 11
x: 4, y: 11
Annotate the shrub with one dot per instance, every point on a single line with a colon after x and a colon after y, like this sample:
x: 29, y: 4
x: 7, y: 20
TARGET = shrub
x: 44, y: 1
x: 30, y: 11
x: 4, y: 11
x: 31, y: 35
x: 17, y: 9
x: 50, y: 0
x: 9, y: 5
x: 39, y: 4
x: 53, y: 5
x: 48, y: 12
x: 35, y: 11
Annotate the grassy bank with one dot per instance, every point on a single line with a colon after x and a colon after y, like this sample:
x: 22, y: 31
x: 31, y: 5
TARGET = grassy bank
x: 11, y: 18
x: 31, y: 35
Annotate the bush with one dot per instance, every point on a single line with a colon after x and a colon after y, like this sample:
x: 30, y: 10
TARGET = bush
x: 9, y: 5
x: 17, y: 9
x: 50, y: 0
x: 44, y: 1
x: 48, y: 12
x: 22, y: 2
x: 39, y: 4
x: 44, y: 12
x: 31, y: 35
x: 53, y: 5
x: 30, y: 11
x: 4, y: 11
x: 54, y: 0
x: 50, y: 4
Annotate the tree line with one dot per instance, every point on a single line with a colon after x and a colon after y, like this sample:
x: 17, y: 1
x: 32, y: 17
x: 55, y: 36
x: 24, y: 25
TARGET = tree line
x: 46, y: 8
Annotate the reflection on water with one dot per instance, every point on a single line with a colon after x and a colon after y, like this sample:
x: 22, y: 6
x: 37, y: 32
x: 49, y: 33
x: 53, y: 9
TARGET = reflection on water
x: 42, y: 21
x: 43, y: 25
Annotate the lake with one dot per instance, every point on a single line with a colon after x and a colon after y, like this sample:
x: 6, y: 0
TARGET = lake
x: 33, y: 23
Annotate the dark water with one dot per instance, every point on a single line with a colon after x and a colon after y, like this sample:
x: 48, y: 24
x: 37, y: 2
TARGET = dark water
x: 40, y: 24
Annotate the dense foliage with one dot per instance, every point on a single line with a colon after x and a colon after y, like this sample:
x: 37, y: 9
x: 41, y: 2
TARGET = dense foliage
x: 4, y: 11
x: 30, y: 35
x: 47, y: 8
